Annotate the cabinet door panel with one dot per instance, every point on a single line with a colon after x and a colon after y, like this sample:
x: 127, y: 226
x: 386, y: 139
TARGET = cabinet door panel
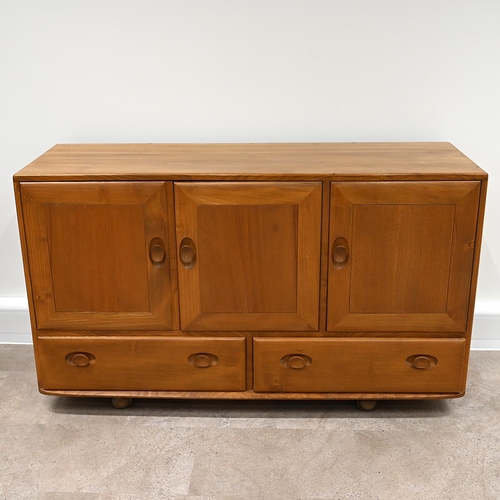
x: 86, y: 243
x: 91, y: 255
x: 255, y: 257
x: 410, y: 247
x: 223, y: 250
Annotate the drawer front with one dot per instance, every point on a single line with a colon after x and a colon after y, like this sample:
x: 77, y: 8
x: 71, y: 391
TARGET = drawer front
x: 139, y: 363
x: 358, y: 365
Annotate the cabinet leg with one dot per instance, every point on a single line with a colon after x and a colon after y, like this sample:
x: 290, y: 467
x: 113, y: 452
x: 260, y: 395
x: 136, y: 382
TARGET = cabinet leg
x: 121, y: 402
x: 367, y: 404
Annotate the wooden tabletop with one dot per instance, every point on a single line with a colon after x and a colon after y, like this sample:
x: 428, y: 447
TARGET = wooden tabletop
x: 295, y: 161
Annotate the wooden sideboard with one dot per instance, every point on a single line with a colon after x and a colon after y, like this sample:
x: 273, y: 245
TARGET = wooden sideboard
x: 252, y: 271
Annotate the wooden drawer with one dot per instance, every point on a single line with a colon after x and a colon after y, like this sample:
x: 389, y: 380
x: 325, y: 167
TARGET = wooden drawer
x: 142, y: 363
x: 358, y: 365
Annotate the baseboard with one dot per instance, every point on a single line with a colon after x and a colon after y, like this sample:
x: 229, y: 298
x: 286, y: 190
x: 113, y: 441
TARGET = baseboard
x: 486, y: 327
x: 15, y: 324
x: 14, y: 321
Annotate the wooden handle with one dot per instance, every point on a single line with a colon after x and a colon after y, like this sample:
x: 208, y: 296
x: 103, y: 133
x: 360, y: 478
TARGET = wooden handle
x: 157, y: 251
x: 340, y: 252
x: 187, y: 253
x: 296, y: 361
x: 80, y: 359
x: 203, y: 360
x: 421, y: 361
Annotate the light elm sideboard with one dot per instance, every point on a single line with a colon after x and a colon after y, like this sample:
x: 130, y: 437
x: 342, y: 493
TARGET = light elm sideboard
x: 252, y: 271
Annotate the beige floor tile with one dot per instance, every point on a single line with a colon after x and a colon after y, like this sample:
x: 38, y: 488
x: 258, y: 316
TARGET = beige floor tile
x: 350, y: 464
x: 83, y: 449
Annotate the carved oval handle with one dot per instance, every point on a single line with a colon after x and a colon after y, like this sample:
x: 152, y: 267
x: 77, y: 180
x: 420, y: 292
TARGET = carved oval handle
x: 80, y: 359
x: 421, y: 361
x: 296, y: 361
x: 203, y: 360
x: 340, y: 252
x: 187, y: 253
x: 157, y: 251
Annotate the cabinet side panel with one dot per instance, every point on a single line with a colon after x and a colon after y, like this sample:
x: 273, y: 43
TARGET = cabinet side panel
x: 27, y: 273
x: 475, y: 272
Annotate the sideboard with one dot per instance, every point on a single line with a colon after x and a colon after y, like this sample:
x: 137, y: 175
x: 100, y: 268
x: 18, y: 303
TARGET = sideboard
x: 252, y: 271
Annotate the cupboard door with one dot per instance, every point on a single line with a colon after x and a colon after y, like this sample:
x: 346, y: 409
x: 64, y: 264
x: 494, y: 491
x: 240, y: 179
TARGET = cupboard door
x: 99, y: 254
x: 249, y: 255
x: 401, y: 255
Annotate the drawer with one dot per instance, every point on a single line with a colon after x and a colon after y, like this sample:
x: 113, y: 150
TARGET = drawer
x: 358, y: 365
x: 142, y: 363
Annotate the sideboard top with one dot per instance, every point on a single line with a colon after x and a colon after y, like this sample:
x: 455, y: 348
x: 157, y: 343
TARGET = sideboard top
x: 342, y: 161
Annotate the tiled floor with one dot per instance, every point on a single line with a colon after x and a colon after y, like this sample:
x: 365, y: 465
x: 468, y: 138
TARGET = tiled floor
x: 84, y: 449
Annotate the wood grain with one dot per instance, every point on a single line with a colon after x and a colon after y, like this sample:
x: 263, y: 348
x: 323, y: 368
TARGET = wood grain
x: 137, y: 363
x: 248, y: 334
x: 475, y: 272
x: 258, y: 255
x: 313, y: 161
x: 250, y: 395
x: 401, y: 258
x: 258, y: 285
x: 357, y: 366
x: 27, y: 275
x: 88, y: 246
x: 325, y: 230
x: 411, y: 250
x: 241, y: 278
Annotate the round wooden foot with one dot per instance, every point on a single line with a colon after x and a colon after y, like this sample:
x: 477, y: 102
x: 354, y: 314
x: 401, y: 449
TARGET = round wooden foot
x: 121, y: 402
x: 367, y: 404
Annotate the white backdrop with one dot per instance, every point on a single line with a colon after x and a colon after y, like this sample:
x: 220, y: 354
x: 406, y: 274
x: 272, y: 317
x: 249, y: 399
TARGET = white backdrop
x: 249, y: 71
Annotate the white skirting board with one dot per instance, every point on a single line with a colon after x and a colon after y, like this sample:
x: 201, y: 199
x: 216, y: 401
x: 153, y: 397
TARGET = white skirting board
x: 15, y: 325
x: 486, y: 326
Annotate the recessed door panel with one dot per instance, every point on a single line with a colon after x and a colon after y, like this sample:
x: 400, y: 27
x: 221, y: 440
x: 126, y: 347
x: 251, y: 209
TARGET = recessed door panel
x: 240, y: 277
x: 408, y: 270
x: 89, y: 258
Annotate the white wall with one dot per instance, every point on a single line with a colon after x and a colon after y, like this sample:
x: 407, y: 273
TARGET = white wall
x: 247, y: 71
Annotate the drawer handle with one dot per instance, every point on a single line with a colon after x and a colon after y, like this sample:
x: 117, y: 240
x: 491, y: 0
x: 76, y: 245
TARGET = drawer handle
x: 421, y: 361
x: 80, y: 359
x: 296, y: 361
x: 340, y: 252
x: 187, y: 253
x: 157, y: 251
x: 203, y: 360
